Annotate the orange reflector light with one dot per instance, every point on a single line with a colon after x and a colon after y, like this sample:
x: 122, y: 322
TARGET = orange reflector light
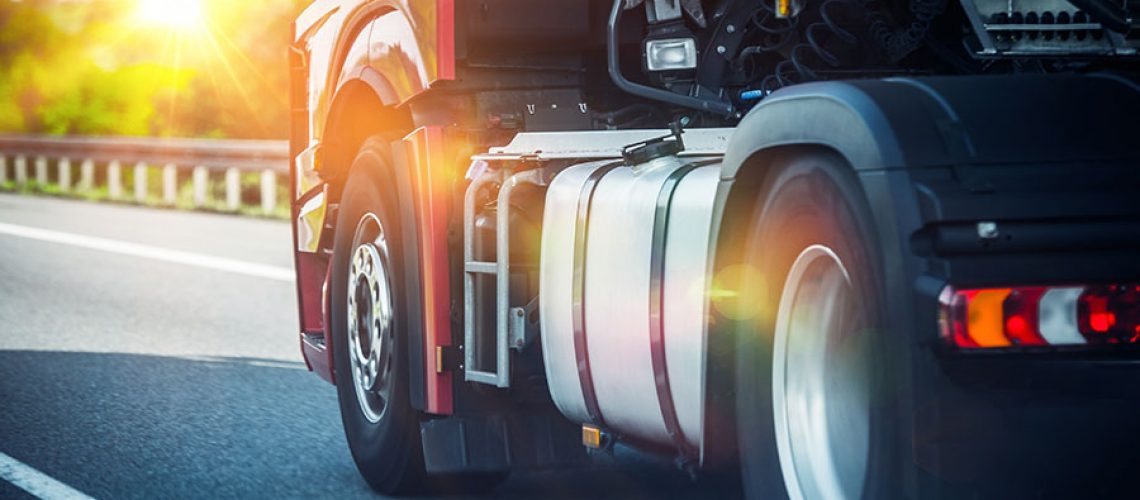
x: 1040, y: 316
x: 984, y: 317
x: 783, y: 8
x: 591, y: 436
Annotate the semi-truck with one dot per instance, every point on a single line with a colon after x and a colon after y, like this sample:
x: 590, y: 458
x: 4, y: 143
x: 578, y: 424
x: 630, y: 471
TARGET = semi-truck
x: 829, y: 248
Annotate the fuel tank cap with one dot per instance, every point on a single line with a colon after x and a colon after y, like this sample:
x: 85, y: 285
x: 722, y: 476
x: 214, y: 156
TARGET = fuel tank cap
x: 657, y: 147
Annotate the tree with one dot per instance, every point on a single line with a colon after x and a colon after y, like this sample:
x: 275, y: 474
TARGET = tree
x: 88, y: 67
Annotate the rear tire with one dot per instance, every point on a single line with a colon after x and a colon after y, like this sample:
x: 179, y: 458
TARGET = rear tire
x: 813, y: 420
x: 380, y: 424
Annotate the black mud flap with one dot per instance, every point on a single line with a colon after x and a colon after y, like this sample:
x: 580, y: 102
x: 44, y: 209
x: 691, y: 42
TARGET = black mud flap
x: 498, y: 443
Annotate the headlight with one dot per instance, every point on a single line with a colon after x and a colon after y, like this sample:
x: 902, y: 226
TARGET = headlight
x: 669, y: 54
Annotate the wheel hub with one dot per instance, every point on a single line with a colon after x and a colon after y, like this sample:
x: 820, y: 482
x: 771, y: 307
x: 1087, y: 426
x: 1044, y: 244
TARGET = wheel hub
x: 820, y: 380
x: 370, y: 318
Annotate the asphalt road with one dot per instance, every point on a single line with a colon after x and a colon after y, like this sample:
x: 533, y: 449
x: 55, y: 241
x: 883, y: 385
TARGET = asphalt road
x: 127, y: 372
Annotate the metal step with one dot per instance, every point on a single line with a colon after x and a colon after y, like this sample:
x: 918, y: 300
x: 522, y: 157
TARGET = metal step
x: 511, y: 328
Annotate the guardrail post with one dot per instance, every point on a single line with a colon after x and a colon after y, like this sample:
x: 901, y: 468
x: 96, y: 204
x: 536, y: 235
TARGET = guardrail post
x: 87, y: 174
x: 201, y: 177
x: 85, y: 165
x: 64, y: 174
x: 169, y: 184
x: 233, y: 188
x: 41, y: 171
x: 115, y: 180
x: 21, y: 170
x: 268, y: 191
x: 140, y: 182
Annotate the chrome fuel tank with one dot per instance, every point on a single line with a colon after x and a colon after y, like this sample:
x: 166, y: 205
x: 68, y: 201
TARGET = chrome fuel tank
x: 625, y: 254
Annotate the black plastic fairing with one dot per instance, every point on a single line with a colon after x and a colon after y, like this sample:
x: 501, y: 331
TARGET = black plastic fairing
x: 1053, y: 161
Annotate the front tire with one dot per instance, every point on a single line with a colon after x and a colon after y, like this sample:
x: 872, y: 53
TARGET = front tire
x: 368, y: 317
x: 812, y: 418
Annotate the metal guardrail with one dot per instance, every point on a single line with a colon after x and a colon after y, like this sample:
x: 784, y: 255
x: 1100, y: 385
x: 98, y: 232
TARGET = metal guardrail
x: 176, y: 160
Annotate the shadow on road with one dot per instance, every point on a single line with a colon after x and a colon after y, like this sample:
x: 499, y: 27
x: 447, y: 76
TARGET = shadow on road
x: 132, y: 426
x: 136, y: 426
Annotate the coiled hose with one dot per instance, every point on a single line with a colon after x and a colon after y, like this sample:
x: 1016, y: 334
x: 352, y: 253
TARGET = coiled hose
x: 796, y: 68
x: 898, y: 43
x: 817, y: 45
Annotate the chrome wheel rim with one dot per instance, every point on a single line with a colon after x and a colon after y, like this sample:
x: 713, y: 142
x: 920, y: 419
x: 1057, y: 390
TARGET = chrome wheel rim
x: 370, y: 318
x: 820, y: 381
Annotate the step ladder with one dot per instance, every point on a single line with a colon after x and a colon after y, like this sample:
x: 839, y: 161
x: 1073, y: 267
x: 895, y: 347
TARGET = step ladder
x: 512, y: 327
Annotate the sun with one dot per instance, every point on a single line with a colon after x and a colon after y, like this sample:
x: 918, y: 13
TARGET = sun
x: 181, y: 15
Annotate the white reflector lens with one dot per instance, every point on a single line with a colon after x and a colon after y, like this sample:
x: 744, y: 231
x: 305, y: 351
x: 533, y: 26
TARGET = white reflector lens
x: 1058, y: 316
x: 671, y: 54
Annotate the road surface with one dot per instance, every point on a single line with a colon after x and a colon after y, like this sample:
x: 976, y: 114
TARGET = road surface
x: 148, y: 353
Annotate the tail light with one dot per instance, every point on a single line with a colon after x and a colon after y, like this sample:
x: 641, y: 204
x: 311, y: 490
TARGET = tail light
x: 1040, y: 316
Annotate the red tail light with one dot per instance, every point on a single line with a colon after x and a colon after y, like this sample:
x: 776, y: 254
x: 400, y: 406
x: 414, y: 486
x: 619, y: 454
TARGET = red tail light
x: 1020, y: 311
x: 1039, y: 316
x: 1110, y: 314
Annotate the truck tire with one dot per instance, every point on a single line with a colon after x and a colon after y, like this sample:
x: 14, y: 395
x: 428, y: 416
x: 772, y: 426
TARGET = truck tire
x: 368, y: 318
x: 812, y: 421
x: 382, y: 428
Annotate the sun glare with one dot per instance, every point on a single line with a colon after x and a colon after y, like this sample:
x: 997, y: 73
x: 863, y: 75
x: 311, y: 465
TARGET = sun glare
x: 182, y: 15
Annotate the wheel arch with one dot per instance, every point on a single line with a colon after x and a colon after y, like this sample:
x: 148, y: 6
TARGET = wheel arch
x: 373, y: 75
x: 358, y: 111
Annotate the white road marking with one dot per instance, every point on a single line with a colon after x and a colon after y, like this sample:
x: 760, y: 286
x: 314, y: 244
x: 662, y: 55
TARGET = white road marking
x: 262, y: 363
x: 151, y: 252
x: 36, y: 482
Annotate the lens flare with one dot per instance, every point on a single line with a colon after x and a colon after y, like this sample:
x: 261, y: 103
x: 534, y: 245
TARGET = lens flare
x: 739, y: 293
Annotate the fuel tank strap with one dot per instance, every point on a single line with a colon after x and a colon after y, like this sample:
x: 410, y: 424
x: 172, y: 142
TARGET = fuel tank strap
x: 657, y: 308
x: 578, y: 294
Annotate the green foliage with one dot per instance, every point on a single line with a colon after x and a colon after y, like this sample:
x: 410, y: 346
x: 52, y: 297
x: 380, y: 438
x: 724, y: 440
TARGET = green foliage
x: 104, y: 102
x: 70, y: 67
